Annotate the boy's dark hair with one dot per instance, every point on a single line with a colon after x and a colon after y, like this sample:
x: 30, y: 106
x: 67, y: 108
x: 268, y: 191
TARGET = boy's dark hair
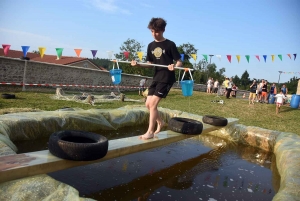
x: 157, y: 24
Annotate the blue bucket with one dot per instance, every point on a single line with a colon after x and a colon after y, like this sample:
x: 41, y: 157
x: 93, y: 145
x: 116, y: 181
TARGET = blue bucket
x: 116, y: 75
x: 271, y: 99
x: 187, y: 87
x: 295, y: 101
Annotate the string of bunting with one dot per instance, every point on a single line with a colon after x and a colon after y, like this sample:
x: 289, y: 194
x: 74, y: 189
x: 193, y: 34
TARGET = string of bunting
x: 59, y: 51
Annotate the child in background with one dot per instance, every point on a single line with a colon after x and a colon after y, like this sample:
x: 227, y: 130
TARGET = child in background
x: 279, y: 101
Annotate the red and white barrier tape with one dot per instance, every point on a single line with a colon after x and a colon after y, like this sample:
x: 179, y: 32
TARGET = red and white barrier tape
x: 66, y: 85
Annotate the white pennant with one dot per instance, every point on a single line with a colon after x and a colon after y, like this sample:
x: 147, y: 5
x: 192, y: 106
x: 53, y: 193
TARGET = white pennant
x: 109, y: 54
x: 219, y: 57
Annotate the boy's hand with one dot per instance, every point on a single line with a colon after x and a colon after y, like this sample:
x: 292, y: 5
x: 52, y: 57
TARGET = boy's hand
x: 134, y: 63
x: 171, y: 67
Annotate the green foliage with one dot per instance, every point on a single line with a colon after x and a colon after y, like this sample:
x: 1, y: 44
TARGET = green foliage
x: 292, y: 85
x: 105, y: 63
x: 245, y: 80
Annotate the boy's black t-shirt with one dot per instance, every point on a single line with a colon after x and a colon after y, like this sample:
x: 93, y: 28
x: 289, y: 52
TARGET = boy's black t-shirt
x: 265, y: 88
x: 163, y: 53
x: 253, y: 88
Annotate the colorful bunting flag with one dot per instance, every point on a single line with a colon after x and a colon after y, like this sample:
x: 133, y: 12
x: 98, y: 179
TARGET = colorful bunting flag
x: 78, y: 51
x: 265, y: 57
x: 280, y: 56
x: 5, y: 49
x: 59, y: 52
x: 94, y: 52
x: 205, y: 56
x: 219, y: 57
x: 25, y: 50
x: 247, y: 57
x: 126, y: 54
x: 289, y: 56
x: 238, y: 57
x: 140, y: 55
x: 257, y: 56
x: 42, y: 51
x: 194, y: 56
x: 182, y: 57
x: 295, y: 55
x: 109, y: 54
x: 229, y: 58
x: 273, y: 57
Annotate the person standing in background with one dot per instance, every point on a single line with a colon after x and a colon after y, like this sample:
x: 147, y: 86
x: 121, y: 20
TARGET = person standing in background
x: 142, y: 86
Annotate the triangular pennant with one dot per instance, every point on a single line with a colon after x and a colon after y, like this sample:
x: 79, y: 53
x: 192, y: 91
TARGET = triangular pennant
x: 257, y: 56
x: 219, y: 57
x: 194, y: 56
x: 205, y: 56
x: 94, y: 52
x: 289, y: 56
x: 273, y: 57
x: 5, y: 48
x: 247, y: 57
x: 59, y: 52
x: 78, y: 51
x: 229, y: 58
x: 280, y: 56
x: 42, y: 51
x: 238, y: 57
x: 182, y: 57
x: 265, y: 57
x: 25, y: 50
x: 295, y: 55
x: 140, y: 55
x: 109, y: 54
x: 126, y: 54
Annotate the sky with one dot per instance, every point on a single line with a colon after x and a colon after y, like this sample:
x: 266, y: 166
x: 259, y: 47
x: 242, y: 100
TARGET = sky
x: 218, y: 27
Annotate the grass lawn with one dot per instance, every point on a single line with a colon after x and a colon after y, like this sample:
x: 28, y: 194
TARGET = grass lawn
x: 260, y: 115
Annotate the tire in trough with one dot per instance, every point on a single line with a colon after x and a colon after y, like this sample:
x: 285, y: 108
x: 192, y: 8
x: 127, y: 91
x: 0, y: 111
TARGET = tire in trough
x: 78, y: 145
x: 214, y: 120
x: 185, y: 126
x: 8, y: 96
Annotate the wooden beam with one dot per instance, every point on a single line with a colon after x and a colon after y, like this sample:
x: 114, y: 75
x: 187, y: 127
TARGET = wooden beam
x: 41, y: 162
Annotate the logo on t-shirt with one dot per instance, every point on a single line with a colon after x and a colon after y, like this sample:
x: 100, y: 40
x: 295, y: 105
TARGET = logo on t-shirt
x: 158, y: 52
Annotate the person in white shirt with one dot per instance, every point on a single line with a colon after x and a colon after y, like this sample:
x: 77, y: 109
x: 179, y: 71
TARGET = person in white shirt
x: 209, y: 82
x: 279, y: 101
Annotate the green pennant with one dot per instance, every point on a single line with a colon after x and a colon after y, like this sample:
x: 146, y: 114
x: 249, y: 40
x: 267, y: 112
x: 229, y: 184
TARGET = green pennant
x: 205, y: 56
x: 280, y: 56
x: 59, y: 52
x: 247, y: 57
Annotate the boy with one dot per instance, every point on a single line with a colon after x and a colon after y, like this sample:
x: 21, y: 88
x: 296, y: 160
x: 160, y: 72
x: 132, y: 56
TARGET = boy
x: 160, y: 51
x: 279, y: 101
x: 252, y: 95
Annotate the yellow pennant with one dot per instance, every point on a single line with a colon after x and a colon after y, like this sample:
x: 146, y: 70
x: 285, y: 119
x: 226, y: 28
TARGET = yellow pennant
x: 238, y: 58
x: 42, y: 51
x: 273, y: 57
x: 194, y: 56
x: 140, y: 55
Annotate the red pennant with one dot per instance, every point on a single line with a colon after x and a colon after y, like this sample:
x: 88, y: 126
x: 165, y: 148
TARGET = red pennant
x: 289, y: 56
x: 5, y: 48
x: 126, y: 54
x: 257, y: 56
x: 229, y: 58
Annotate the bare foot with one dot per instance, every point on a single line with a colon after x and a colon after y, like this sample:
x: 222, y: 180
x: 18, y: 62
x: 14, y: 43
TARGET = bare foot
x: 146, y: 136
x: 159, y: 127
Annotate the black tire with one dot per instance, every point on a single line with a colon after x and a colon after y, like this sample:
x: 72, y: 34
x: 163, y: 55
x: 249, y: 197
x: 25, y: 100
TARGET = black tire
x: 215, y: 120
x: 185, y: 126
x: 78, y: 145
x: 8, y: 96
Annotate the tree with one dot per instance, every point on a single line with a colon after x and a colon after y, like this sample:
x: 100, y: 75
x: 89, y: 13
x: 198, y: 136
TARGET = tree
x: 36, y: 51
x: 245, y: 80
x: 236, y: 80
x: 132, y: 46
x: 292, y: 85
x: 105, y: 63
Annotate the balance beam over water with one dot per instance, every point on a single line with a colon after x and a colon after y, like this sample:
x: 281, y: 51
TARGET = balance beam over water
x: 41, y: 162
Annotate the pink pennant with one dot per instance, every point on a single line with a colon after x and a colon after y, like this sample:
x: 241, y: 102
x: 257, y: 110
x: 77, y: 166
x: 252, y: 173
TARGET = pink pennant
x: 257, y: 56
x: 289, y: 56
x: 126, y: 54
x: 229, y: 58
x: 5, y: 49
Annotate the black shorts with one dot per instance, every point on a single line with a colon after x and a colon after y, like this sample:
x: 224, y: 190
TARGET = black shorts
x: 159, y: 89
